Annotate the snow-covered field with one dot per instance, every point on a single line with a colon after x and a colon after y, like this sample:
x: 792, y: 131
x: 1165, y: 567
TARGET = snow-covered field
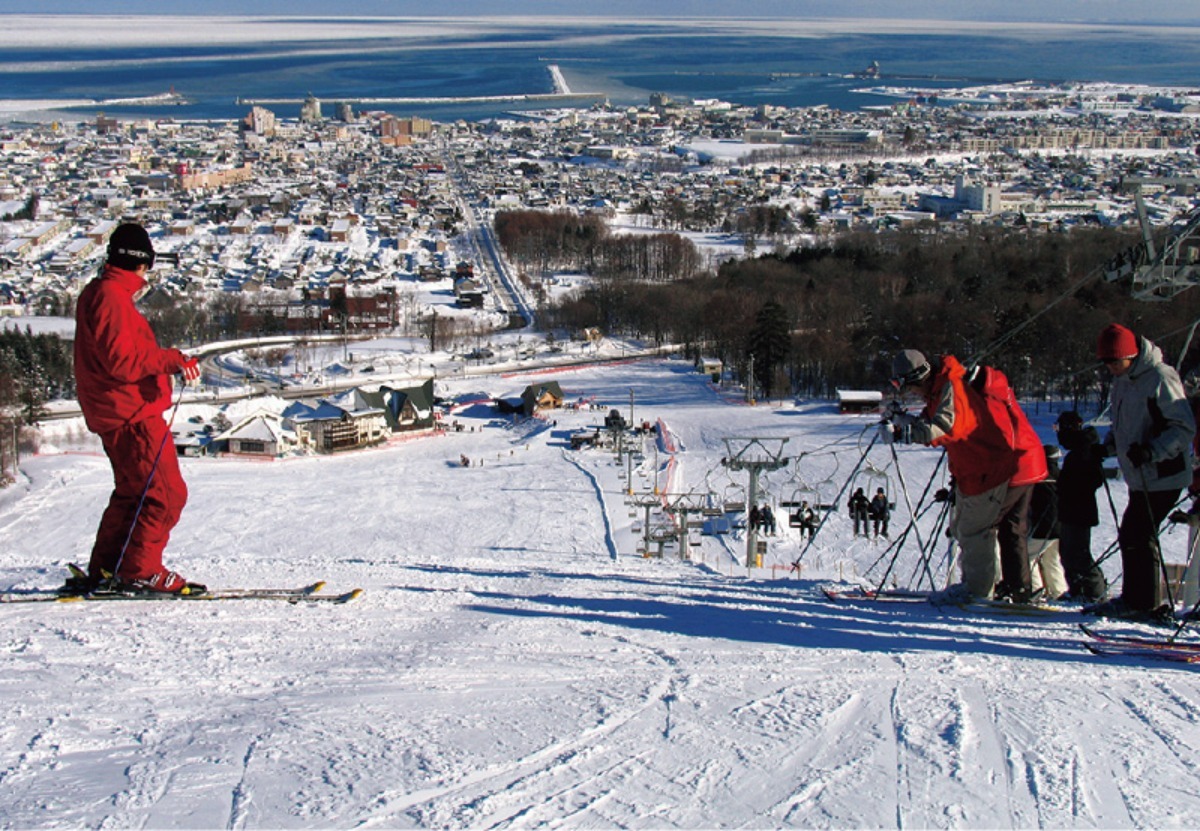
x: 515, y: 663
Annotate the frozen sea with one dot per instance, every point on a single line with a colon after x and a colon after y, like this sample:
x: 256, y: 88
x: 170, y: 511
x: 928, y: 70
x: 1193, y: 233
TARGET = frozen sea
x: 83, y: 64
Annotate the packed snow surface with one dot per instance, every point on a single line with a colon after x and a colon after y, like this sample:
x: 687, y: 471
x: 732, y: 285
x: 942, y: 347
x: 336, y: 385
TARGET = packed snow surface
x: 515, y: 662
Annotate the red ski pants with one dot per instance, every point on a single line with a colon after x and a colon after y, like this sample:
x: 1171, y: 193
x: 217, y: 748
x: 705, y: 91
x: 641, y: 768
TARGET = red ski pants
x: 133, y: 450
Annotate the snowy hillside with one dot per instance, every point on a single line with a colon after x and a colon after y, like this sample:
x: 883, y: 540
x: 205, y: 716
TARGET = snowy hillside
x: 515, y: 663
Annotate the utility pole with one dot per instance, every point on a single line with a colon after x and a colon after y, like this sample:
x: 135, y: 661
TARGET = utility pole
x: 629, y: 471
x: 750, y: 382
x: 754, y: 455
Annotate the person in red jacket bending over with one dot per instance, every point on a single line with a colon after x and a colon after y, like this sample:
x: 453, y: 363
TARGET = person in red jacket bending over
x: 122, y: 378
x: 995, y: 458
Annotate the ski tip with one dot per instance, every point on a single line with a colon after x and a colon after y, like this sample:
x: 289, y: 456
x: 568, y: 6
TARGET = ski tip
x: 316, y: 587
x: 311, y: 598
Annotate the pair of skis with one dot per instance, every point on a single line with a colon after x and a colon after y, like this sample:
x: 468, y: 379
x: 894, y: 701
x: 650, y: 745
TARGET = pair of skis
x: 1136, y: 646
x: 1098, y: 643
x: 867, y: 595
x: 861, y: 594
x: 312, y: 593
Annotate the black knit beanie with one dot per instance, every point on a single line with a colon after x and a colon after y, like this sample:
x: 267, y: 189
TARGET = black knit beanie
x: 129, y: 246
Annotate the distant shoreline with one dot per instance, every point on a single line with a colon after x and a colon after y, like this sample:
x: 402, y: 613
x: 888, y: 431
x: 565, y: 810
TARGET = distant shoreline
x: 478, y: 68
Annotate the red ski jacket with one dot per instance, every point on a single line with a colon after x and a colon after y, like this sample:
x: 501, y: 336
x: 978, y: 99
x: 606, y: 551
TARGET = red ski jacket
x: 957, y: 417
x: 122, y: 376
x: 1007, y: 414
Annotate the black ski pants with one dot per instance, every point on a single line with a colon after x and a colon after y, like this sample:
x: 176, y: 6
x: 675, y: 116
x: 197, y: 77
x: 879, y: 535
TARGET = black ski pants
x: 1141, y: 557
x: 1012, y: 534
x: 1084, y: 577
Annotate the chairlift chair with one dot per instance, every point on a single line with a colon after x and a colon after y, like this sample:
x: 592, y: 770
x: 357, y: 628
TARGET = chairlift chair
x: 825, y: 489
x: 803, y: 493
x: 874, y: 480
x: 712, y: 506
x: 734, y: 499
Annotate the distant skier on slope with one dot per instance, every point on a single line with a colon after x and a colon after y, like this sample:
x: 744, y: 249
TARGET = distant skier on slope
x: 124, y: 387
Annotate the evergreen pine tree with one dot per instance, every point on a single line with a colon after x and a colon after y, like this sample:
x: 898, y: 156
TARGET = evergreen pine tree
x: 770, y: 343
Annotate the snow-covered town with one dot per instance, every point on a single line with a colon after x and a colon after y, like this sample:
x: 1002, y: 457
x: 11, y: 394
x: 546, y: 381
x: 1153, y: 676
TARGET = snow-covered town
x: 274, y: 225
x: 278, y: 210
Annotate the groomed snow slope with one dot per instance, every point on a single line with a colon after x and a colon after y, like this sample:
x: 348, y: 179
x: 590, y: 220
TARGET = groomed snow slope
x: 514, y: 663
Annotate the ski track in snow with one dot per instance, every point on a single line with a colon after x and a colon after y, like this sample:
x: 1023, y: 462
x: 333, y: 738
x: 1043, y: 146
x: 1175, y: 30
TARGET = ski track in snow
x: 513, y: 664
x: 556, y: 771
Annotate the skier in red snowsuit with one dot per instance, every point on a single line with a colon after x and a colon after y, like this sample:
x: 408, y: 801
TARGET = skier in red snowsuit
x: 122, y: 378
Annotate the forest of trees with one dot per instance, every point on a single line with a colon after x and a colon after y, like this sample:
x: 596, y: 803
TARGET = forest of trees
x: 34, y: 369
x: 541, y: 241
x: 828, y: 317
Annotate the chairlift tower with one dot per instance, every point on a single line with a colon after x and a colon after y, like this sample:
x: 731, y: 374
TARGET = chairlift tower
x: 646, y: 501
x: 681, y: 505
x: 1159, y: 271
x: 753, y: 455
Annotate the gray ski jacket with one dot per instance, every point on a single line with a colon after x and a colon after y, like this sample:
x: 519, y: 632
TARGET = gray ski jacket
x: 1149, y: 407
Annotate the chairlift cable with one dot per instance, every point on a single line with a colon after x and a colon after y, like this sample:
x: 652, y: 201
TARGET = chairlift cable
x: 1029, y: 321
x: 838, y: 499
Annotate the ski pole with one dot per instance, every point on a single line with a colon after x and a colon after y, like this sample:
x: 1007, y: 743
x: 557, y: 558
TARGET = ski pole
x: 146, y: 490
x: 1157, y: 552
x: 912, y: 511
x: 910, y: 528
x: 911, y: 525
x: 953, y: 550
x: 1187, y: 618
x: 892, y: 544
x: 1112, y: 506
x: 927, y: 555
x: 1111, y: 549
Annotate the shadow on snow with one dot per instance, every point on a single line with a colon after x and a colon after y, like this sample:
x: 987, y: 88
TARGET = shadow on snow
x: 792, y: 613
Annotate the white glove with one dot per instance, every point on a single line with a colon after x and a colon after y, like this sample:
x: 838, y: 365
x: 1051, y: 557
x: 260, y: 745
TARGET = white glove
x: 902, y: 427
